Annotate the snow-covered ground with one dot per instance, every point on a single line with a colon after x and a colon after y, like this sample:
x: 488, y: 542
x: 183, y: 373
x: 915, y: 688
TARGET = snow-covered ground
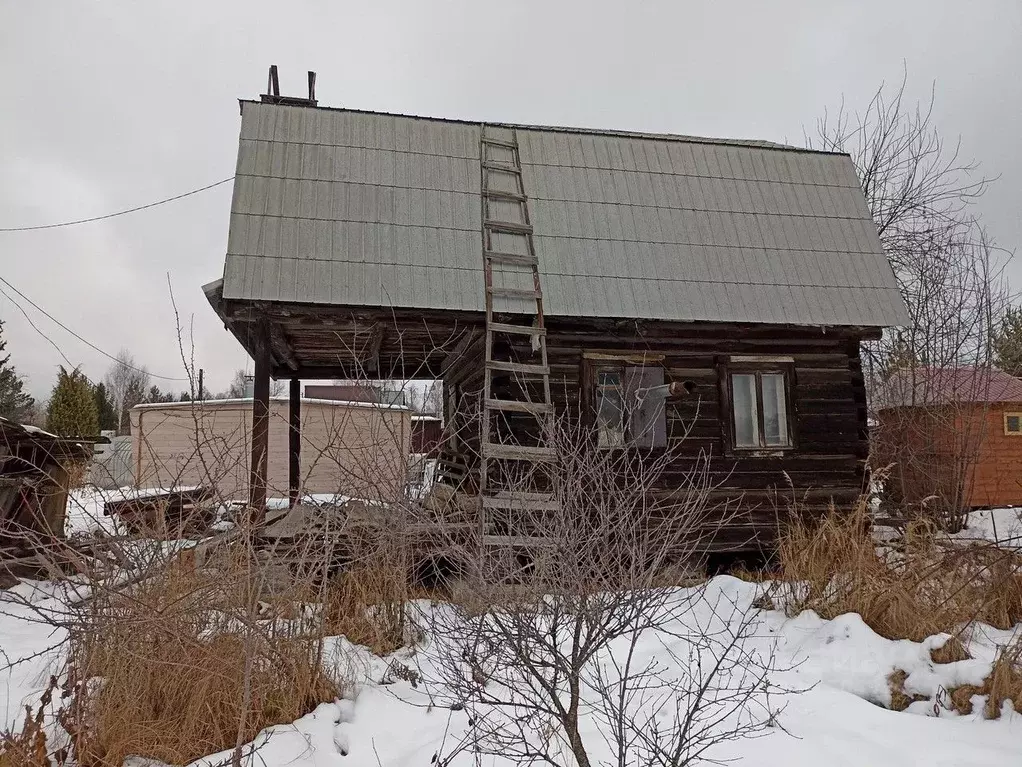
x: 1002, y: 526
x: 839, y: 667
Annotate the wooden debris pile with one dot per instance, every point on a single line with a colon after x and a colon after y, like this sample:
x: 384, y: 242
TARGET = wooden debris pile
x: 36, y: 471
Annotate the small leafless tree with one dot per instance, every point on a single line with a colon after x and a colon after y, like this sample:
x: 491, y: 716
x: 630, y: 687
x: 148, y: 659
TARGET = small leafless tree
x: 588, y: 631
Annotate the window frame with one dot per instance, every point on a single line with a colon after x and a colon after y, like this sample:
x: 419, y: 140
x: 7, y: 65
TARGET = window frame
x: 596, y: 362
x: 758, y: 367
x: 1012, y: 414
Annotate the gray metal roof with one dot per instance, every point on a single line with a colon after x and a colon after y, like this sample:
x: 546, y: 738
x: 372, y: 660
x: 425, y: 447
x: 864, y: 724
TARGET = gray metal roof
x: 368, y: 209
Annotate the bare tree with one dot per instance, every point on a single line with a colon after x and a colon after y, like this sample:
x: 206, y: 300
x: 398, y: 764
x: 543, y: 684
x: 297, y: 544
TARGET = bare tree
x: 127, y: 384
x: 919, y: 192
x: 240, y: 383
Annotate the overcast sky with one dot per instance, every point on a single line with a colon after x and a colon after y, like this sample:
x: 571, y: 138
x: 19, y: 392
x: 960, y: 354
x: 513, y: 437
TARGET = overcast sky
x: 109, y: 105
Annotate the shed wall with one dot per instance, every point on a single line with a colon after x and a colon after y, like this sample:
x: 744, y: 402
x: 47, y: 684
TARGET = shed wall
x: 931, y: 450
x: 356, y: 451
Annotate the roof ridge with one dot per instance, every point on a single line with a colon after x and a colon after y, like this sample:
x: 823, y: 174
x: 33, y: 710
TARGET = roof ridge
x: 617, y: 133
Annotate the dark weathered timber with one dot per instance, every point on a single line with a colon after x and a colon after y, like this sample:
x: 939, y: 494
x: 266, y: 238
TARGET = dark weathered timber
x: 294, y: 441
x: 260, y: 427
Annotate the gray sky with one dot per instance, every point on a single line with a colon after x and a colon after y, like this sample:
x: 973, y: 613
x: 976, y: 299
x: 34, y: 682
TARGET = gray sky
x: 114, y: 104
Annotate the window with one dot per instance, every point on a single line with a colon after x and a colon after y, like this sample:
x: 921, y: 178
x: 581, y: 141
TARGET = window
x: 1013, y: 424
x: 627, y: 412
x: 759, y: 406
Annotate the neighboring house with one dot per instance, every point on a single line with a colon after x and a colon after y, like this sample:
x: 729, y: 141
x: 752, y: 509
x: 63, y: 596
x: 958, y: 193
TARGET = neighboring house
x: 539, y: 270
x: 952, y: 438
x: 358, y: 449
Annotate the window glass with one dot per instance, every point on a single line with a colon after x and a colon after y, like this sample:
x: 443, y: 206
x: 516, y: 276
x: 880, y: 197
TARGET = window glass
x: 1013, y: 424
x: 746, y: 415
x: 775, y: 416
x: 609, y: 410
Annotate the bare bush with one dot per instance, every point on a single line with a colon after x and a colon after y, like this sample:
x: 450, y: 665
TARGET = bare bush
x: 563, y: 639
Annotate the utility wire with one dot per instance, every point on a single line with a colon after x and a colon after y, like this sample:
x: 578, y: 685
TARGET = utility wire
x: 118, y: 213
x: 84, y: 341
x: 35, y: 327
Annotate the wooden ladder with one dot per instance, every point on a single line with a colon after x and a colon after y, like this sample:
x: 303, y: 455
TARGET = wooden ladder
x: 515, y: 480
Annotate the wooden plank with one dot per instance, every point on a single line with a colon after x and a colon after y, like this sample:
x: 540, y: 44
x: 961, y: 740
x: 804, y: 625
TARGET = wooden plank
x: 513, y: 292
x: 523, y: 330
x: 502, y: 194
x: 513, y: 406
x: 508, y: 226
x: 518, y: 367
x: 508, y: 167
x: 518, y: 452
x: 513, y: 259
x: 548, y: 504
x: 499, y: 142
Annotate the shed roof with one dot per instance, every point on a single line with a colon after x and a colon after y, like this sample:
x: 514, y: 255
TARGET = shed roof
x: 926, y: 386
x: 352, y: 208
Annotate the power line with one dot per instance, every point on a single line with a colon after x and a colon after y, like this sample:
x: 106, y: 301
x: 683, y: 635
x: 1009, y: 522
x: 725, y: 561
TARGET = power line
x: 118, y: 213
x: 84, y: 341
x: 36, y: 327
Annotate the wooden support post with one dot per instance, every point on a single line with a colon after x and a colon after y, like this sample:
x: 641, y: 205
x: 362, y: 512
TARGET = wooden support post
x: 260, y: 428
x: 294, y: 441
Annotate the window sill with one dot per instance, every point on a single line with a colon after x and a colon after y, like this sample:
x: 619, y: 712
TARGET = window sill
x: 763, y: 452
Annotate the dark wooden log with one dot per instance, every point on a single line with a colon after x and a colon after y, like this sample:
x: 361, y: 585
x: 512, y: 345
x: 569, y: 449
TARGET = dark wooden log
x: 260, y: 426
x: 294, y: 441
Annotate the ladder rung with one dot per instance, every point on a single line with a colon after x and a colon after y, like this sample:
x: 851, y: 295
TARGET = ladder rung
x: 500, y: 142
x: 518, y: 452
x: 518, y: 367
x: 508, y: 226
x: 522, y: 330
x: 536, y: 504
x: 505, y: 195
x: 511, y: 258
x: 497, y: 290
x: 510, y: 167
x: 513, y: 406
x: 519, y: 541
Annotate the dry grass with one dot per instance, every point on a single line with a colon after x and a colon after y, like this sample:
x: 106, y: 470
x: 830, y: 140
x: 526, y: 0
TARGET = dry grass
x: 919, y: 588
x: 834, y: 566
x: 28, y: 746
x: 366, y: 603
x: 1003, y: 684
x: 178, y: 667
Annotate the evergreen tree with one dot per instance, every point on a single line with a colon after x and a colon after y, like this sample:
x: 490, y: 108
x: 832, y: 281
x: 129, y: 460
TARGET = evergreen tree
x: 72, y: 409
x: 105, y: 411
x: 15, y: 403
x: 1007, y: 342
x: 155, y: 395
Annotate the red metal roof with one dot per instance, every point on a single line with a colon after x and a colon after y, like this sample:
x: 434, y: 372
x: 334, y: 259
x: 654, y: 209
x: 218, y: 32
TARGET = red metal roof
x: 946, y: 386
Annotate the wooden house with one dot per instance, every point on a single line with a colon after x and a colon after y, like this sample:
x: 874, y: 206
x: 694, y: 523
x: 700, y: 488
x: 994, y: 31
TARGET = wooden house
x: 536, y: 270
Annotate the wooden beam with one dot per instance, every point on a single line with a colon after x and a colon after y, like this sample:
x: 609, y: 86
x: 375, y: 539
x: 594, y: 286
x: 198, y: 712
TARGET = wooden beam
x: 260, y: 424
x: 461, y: 348
x: 294, y: 441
